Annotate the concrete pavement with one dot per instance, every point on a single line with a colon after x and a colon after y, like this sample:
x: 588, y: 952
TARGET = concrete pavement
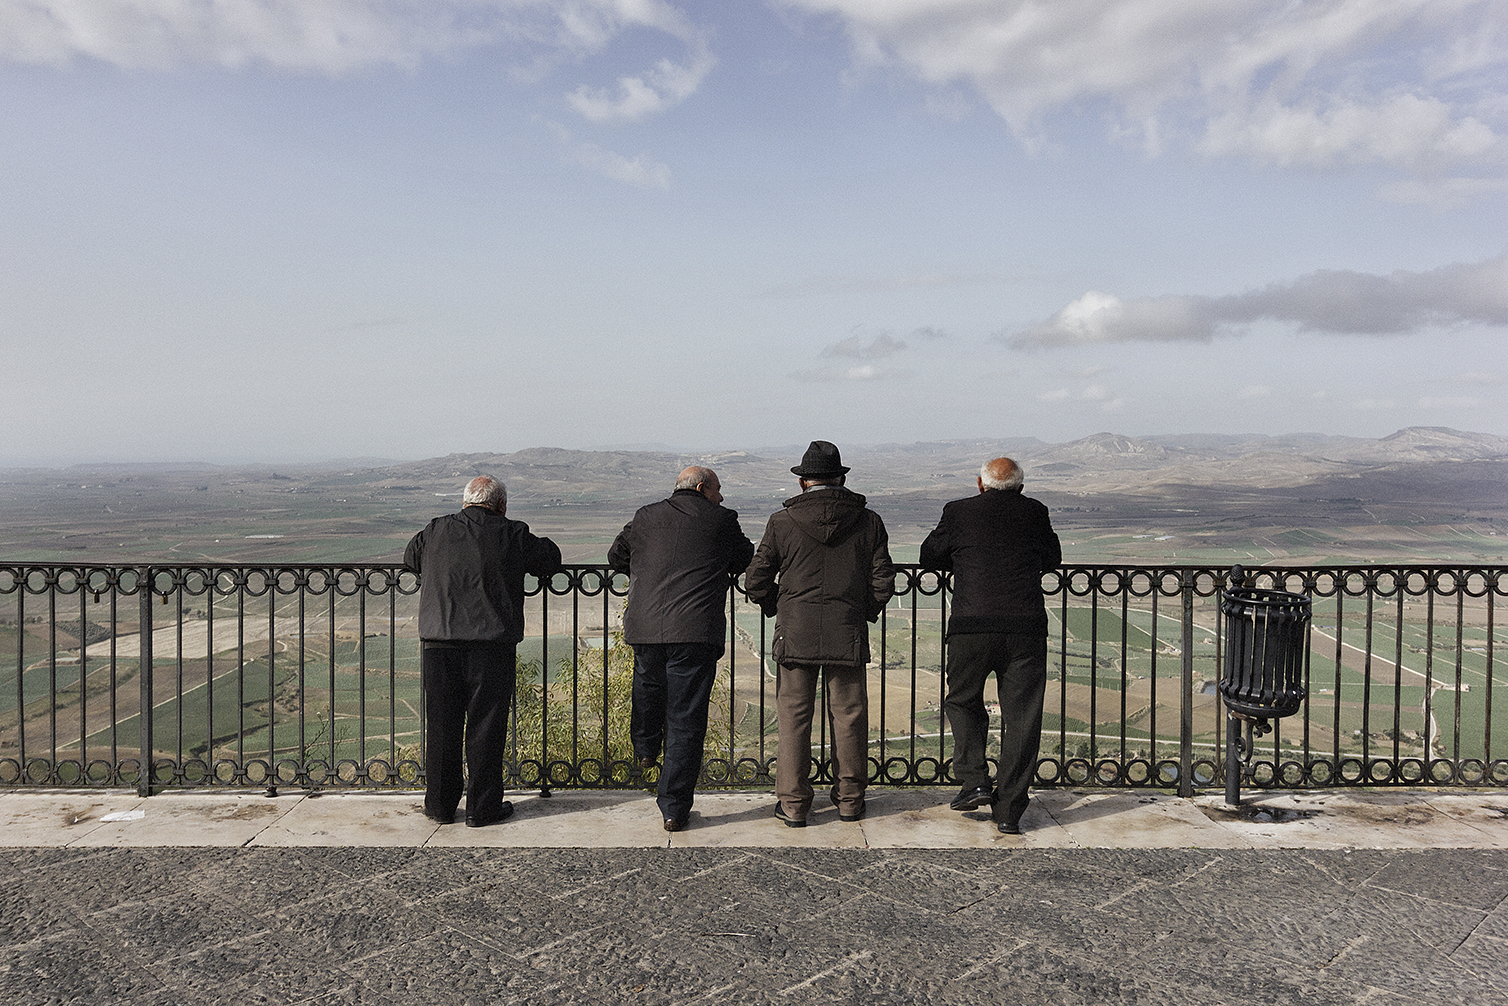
x: 1378, y: 897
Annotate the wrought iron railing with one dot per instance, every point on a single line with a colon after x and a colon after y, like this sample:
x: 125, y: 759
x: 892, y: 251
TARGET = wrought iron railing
x: 308, y: 676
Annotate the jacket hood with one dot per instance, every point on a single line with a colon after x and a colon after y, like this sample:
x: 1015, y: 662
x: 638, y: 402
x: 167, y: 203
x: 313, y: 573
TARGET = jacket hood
x: 827, y: 514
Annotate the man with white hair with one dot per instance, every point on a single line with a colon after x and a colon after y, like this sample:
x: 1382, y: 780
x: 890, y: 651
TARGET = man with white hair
x: 471, y: 568
x: 680, y: 555
x: 997, y: 544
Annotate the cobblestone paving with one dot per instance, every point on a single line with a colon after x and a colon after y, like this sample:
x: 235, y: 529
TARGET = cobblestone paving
x: 746, y: 925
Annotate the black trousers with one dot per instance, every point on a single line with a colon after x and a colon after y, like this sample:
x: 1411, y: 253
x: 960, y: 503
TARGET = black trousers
x: 1019, y: 662
x: 672, y: 685
x: 467, y: 690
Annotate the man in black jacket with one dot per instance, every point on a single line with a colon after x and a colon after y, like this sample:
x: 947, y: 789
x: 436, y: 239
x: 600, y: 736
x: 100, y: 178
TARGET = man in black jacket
x: 832, y: 559
x: 471, y: 567
x: 680, y: 555
x: 998, y: 544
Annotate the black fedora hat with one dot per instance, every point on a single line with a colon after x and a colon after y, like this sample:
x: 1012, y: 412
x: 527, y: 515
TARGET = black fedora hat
x: 821, y: 460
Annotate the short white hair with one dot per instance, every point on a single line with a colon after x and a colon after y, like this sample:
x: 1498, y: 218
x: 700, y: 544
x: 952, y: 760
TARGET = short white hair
x: 484, y: 490
x: 694, y: 476
x: 1001, y: 473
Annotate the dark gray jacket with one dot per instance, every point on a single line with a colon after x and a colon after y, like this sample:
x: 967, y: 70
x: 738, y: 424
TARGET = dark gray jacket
x: 471, y: 567
x: 680, y: 555
x: 823, y: 570
x: 998, y: 544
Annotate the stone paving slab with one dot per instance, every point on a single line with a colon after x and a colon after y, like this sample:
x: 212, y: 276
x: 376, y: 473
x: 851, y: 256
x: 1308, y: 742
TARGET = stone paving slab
x: 390, y: 925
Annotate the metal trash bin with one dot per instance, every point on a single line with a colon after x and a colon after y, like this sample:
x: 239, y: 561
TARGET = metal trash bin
x: 1262, y: 678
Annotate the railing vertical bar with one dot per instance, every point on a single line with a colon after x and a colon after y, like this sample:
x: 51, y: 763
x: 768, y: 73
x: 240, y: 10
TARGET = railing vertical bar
x: 144, y: 719
x: 1340, y: 632
x: 1460, y: 655
x: 330, y: 660
x: 1152, y: 677
x: 1063, y: 674
x: 114, y: 581
x: 52, y: 675
x: 211, y: 588
x: 272, y: 637
x: 22, y: 755
x: 1186, y: 704
x: 83, y: 681
x: 606, y: 677
x: 178, y: 667
x: 732, y: 679
x: 1429, y: 673
x: 1491, y: 593
x: 361, y: 680
x: 392, y: 676
x: 303, y: 692
x: 1125, y: 670
x: 764, y: 677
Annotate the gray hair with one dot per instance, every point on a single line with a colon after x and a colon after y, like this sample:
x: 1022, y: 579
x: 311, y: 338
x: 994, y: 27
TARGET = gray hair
x: 1001, y: 473
x: 694, y: 476
x: 484, y: 490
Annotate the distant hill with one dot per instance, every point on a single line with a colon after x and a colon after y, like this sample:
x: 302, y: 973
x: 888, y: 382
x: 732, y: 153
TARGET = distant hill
x: 1120, y: 496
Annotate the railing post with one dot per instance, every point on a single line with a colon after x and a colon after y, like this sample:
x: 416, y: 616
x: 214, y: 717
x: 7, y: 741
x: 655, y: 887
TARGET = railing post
x: 1186, y: 703
x: 144, y: 718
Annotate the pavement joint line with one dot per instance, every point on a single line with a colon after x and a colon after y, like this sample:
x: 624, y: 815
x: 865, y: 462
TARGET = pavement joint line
x: 847, y: 962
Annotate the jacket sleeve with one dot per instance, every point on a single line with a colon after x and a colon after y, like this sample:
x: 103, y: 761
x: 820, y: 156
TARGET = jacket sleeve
x: 413, y: 556
x: 759, y: 578
x: 740, y: 549
x: 882, y: 576
x: 621, y: 553
x: 1052, y: 548
x: 541, y: 556
x: 937, y: 549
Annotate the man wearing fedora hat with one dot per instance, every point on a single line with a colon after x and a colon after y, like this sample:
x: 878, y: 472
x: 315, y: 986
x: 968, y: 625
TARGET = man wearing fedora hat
x: 823, y: 570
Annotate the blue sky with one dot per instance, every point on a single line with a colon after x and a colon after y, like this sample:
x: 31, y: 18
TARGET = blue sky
x: 306, y: 229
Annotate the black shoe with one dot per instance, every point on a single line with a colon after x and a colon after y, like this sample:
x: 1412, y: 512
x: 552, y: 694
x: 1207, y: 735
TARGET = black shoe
x: 856, y: 816
x: 645, y: 764
x: 440, y: 818
x: 790, y: 822
x: 973, y: 799
x: 1009, y: 827
x: 503, y: 813
x: 671, y: 824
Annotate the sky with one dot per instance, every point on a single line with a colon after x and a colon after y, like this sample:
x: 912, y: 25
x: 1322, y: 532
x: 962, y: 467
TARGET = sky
x: 298, y: 230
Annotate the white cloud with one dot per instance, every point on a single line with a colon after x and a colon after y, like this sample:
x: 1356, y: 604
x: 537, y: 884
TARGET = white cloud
x: 328, y: 36
x: 863, y: 372
x: 1448, y: 403
x: 1337, y: 301
x: 1255, y: 391
x: 338, y: 36
x: 641, y: 171
x: 854, y: 346
x: 1312, y: 82
x: 666, y: 85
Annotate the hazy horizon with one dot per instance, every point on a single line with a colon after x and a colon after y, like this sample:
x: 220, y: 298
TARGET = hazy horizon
x: 769, y: 450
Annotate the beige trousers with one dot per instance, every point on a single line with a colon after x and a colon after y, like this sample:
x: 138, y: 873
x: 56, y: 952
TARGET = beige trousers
x: 847, y: 698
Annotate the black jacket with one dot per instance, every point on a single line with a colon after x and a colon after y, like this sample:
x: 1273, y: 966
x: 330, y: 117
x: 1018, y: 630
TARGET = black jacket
x: 680, y: 555
x: 471, y: 567
x: 832, y: 558
x: 998, y: 544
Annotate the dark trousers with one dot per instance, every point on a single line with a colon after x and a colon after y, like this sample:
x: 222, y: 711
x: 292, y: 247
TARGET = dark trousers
x: 467, y: 690
x: 672, y: 685
x: 847, y: 721
x: 1019, y: 662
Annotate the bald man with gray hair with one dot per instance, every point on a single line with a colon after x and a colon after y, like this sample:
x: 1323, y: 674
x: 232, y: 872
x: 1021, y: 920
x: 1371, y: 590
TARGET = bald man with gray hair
x: 680, y: 555
x: 997, y: 544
